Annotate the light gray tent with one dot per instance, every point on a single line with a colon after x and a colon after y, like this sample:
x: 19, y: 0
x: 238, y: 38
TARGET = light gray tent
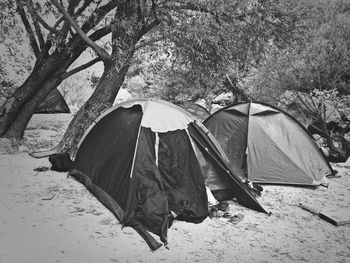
x: 267, y: 145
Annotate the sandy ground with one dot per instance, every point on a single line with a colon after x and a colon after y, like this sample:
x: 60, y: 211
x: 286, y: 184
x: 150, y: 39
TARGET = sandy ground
x: 47, y: 217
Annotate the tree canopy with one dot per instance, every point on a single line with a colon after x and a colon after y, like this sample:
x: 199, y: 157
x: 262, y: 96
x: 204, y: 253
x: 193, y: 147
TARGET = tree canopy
x: 319, y: 56
x: 201, y: 45
x: 176, y: 50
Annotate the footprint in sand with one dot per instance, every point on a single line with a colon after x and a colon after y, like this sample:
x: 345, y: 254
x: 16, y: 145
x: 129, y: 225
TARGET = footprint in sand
x: 97, y: 213
x: 106, y: 221
x: 128, y: 231
x: 73, y: 210
x: 76, y: 201
x: 90, y: 211
x: 79, y: 209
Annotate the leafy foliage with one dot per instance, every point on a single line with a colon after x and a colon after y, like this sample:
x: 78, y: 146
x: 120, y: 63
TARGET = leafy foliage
x: 319, y: 62
x: 15, y: 59
x: 201, y: 44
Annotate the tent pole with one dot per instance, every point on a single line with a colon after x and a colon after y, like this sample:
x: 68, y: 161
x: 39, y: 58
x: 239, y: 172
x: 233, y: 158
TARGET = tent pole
x: 245, y: 155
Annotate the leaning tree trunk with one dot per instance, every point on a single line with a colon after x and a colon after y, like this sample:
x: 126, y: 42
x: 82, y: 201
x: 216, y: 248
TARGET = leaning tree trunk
x: 14, y: 105
x: 44, y: 78
x: 101, y: 99
x: 17, y: 127
x: 112, y: 77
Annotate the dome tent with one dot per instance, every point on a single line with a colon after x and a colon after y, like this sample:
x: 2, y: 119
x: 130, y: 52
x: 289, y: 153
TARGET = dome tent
x: 267, y: 145
x: 148, y: 160
x: 53, y: 103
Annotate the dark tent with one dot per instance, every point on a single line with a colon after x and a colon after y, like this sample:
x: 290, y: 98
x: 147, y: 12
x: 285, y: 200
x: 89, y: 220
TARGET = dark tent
x: 54, y: 103
x: 196, y: 110
x: 267, y: 145
x: 149, y: 162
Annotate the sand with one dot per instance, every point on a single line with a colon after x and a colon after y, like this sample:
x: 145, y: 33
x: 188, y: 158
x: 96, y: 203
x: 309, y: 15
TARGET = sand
x: 47, y: 217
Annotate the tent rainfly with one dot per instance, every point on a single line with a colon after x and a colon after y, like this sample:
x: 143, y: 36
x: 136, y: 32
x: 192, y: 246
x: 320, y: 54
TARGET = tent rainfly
x: 267, y: 145
x: 149, y: 161
x: 53, y: 103
x: 196, y: 110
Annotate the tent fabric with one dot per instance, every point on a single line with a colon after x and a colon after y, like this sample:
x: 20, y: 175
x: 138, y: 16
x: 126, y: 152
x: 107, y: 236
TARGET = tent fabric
x: 267, y: 145
x: 229, y: 128
x: 196, y: 110
x: 147, y: 175
x: 53, y: 103
x: 227, y: 185
x: 147, y: 201
x: 157, y: 118
x: 182, y: 176
x: 107, y: 150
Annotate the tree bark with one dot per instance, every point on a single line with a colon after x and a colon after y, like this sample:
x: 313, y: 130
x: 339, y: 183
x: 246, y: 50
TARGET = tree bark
x: 15, y: 113
x: 16, y: 128
x: 101, y: 99
x: 10, y: 110
x: 113, y: 76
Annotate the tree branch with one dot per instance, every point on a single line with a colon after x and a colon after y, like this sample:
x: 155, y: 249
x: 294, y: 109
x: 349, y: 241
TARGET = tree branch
x: 146, y: 43
x: 28, y: 28
x: 100, y: 33
x: 81, y: 67
x: 146, y: 28
x: 191, y: 7
x: 38, y: 33
x: 76, y: 41
x: 82, y: 8
x: 58, y: 22
x: 42, y: 21
x: 103, y: 54
x: 72, y: 4
x: 36, y: 25
x: 230, y: 81
x: 99, y: 14
x: 96, y: 17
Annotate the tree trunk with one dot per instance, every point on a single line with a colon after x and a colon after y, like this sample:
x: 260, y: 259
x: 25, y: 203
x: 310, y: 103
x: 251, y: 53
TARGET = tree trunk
x: 44, y: 78
x: 123, y: 49
x: 12, y: 107
x: 18, y: 125
x: 101, y: 99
